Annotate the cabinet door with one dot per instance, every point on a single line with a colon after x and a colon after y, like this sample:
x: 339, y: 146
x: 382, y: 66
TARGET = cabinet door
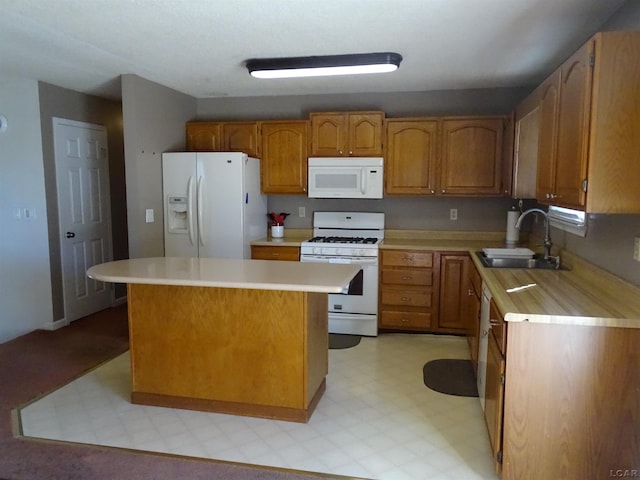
x: 364, y: 134
x: 508, y: 159
x: 573, y: 128
x: 548, y: 121
x: 454, y: 292
x: 328, y: 134
x: 411, y: 152
x: 203, y: 137
x: 471, y: 156
x: 525, y: 157
x: 494, y: 399
x: 241, y: 137
x: 264, y: 252
x: 283, y: 167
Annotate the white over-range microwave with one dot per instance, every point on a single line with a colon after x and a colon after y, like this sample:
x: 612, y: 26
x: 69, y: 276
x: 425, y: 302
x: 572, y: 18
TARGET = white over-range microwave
x: 345, y: 177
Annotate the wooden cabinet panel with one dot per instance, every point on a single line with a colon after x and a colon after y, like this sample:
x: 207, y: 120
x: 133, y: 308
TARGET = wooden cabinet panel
x: 328, y: 134
x: 498, y: 327
x: 286, y: 253
x: 411, y: 156
x: 471, y: 156
x: 283, y: 166
x: 402, y: 320
x: 223, y: 137
x: 407, y: 296
x: 494, y: 400
x: 407, y: 258
x: 454, y: 292
x: 365, y: 134
x: 343, y: 134
x: 587, y: 155
x: 573, y: 127
x: 408, y: 277
x: 548, y: 118
x: 204, y: 136
x: 241, y: 137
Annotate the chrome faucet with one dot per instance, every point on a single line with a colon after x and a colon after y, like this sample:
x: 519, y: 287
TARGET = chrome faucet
x: 547, y: 233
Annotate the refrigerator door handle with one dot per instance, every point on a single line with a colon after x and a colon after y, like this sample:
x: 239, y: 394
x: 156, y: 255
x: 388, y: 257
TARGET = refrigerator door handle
x: 201, y: 232
x: 190, y: 208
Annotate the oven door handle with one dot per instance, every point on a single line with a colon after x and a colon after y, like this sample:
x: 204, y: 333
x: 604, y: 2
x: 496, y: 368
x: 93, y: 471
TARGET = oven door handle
x: 347, y: 260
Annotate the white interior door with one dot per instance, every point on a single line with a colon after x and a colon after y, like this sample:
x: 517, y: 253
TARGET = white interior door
x: 82, y: 178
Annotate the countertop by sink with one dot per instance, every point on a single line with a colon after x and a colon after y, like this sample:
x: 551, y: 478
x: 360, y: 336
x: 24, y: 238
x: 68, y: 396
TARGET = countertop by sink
x: 583, y: 295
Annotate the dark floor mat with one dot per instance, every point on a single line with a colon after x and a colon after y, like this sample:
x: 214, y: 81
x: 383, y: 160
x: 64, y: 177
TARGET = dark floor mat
x: 339, y: 340
x: 451, y: 376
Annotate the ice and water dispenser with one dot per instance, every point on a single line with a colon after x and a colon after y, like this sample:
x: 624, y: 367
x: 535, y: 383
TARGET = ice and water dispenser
x: 177, y: 214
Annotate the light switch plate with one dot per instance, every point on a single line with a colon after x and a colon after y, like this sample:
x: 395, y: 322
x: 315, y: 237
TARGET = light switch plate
x: 148, y: 215
x: 302, y: 212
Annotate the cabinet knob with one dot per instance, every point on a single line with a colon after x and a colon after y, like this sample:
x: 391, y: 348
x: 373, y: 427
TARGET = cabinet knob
x: 433, y: 192
x: 350, y: 152
x: 470, y: 292
x: 443, y: 190
x: 340, y: 152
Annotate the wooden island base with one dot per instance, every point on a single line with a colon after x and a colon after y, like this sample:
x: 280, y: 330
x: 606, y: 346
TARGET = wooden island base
x: 252, y: 352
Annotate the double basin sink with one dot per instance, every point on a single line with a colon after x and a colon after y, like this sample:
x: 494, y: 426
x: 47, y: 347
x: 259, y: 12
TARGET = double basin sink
x: 528, y: 263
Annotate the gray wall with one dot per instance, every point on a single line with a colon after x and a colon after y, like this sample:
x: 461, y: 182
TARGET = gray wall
x: 25, y: 281
x: 154, y: 119
x: 406, y: 104
x: 63, y: 103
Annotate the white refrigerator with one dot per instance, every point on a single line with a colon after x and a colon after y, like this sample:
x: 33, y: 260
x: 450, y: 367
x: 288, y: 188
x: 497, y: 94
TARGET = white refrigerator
x: 212, y: 204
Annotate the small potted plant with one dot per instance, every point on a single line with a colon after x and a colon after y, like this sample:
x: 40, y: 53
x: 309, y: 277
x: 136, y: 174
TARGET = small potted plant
x: 277, y: 224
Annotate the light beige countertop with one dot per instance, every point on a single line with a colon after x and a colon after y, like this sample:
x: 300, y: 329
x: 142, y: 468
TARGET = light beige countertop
x: 227, y: 273
x: 582, y: 295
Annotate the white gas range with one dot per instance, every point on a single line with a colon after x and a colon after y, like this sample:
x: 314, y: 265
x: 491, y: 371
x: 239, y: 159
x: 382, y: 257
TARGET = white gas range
x: 349, y: 237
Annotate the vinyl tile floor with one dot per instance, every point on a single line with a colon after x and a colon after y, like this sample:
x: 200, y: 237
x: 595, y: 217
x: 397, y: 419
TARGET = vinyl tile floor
x: 376, y: 420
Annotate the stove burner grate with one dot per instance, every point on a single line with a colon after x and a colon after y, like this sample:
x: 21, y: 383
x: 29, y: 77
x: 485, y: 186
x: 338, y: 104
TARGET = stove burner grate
x: 356, y: 240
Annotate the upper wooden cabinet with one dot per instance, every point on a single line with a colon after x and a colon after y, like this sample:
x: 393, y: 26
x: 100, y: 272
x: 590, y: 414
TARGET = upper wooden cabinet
x: 284, y: 156
x: 587, y: 148
x: 223, y: 137
x: 345, y: 134
x: 471, y: 156
x: 411, y: 155
x: 522, y: 176
x: 241, y: 137
x: 204, y: 136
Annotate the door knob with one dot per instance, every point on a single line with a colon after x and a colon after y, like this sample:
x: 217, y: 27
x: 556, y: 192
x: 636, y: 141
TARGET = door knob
x: 70, y: 235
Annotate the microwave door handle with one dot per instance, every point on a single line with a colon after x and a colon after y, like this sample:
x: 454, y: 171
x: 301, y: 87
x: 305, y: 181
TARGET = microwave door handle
x: 363, y: 182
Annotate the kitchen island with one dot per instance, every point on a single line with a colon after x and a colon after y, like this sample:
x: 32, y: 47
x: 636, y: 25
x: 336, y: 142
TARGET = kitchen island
x: 244, y: 337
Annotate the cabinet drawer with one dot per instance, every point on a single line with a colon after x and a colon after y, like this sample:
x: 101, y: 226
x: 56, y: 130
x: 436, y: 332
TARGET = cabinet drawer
x: 408, y: 277
x: 404, y: 258
x: 498, y: 327
x: 291, y: 254
x: 406, y: 297
x: 409, y: 320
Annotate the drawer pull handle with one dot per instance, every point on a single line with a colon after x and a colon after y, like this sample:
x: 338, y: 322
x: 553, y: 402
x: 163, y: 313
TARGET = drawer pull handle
x: 404, y: 320
x: 405, y: 299
x: 407, y: 278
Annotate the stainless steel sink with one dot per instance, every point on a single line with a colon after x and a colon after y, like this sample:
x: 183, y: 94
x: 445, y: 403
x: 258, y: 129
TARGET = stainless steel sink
x: 529, y: 263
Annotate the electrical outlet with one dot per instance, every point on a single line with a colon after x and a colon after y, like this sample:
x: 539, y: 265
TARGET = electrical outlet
x: 149, y: 216
x: 453, y: 214
x: 636, y: 249
x: 302, y: 212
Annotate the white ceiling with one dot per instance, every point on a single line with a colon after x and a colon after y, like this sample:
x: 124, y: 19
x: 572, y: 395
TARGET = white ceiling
x: 199, y: 46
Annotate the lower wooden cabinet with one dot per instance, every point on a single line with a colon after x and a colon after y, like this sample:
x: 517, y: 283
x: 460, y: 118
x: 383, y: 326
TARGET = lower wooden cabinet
x: 494, y: 387
x: 454, y: 296
x: 265, y: 252
x: 407, y: 299
x: 474, y: 293
x: 424, y: 291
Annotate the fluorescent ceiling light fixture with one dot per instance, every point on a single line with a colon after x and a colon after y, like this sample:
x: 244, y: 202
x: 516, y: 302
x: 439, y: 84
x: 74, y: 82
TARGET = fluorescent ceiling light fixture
x: 318, y: 66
